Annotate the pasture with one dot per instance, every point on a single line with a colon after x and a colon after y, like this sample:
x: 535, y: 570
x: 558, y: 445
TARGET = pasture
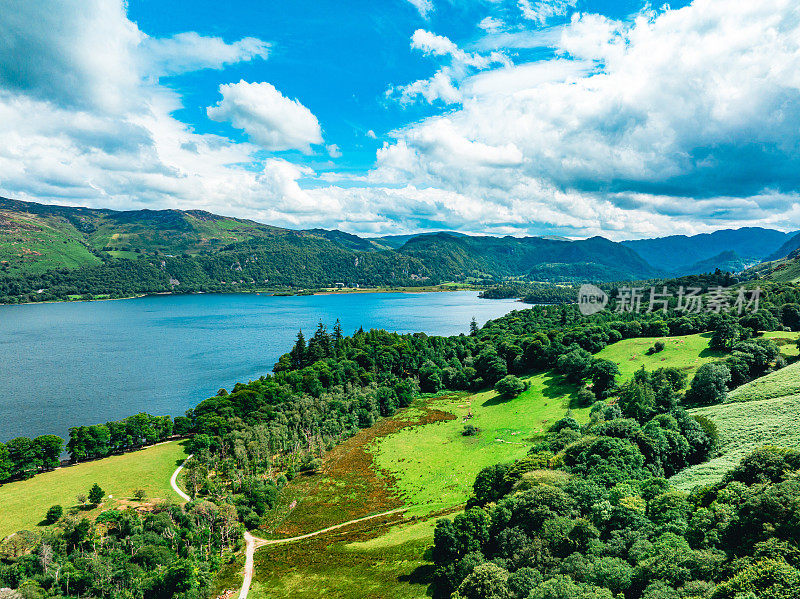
x: 686, y: 353
x: 23, y: 503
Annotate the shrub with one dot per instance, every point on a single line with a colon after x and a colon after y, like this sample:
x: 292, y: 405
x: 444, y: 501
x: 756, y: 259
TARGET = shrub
x: 510, y: 386
x: 469, y: 430
x: 54, y: 514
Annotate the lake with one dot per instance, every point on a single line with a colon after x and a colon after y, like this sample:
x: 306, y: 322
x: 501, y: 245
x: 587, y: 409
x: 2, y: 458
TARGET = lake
x: 76, y: 363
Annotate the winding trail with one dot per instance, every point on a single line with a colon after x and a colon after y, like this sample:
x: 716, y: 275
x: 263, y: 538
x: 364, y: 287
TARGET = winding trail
x: 254, y: 543
x: 174, y: 480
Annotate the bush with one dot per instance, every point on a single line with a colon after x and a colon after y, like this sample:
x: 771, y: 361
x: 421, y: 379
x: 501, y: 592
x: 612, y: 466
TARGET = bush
x: 510, y: 386
x: 710, y: 384
x: 658, y: 346
x: 469, y: 430
x: 54, y: 514
x: 139, y: 494
x: 96, y: 494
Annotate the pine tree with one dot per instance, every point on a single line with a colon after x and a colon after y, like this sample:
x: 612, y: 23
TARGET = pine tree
x: 96, y: 494
x: 298, y: 353
x: 473, y: 327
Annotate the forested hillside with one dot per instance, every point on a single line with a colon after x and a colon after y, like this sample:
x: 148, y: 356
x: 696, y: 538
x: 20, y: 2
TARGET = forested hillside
x: 56, y: 252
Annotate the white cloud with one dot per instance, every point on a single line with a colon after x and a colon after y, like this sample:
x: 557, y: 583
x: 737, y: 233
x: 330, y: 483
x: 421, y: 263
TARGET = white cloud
x: 371, y: 134
x: 438, y: 87
x: 542, y: 11
x: 425, y: 7
x: 333, y: 151
x: 438, y: 45
x: 443, y: 85
x: 268, y: 117
x: 190, y: 52
x: 683, y: 119
x: 492, y: 25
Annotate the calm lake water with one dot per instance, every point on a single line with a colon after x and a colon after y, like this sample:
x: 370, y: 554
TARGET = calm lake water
x: 69, y: 364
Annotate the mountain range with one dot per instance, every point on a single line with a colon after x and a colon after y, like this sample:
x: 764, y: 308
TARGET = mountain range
x: 58, y: 250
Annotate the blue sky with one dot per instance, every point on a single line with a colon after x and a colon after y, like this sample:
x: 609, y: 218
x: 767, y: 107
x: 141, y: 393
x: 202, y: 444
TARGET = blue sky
x: 519, y: 117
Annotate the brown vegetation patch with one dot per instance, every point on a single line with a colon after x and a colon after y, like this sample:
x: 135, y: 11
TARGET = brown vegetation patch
x: 348, y: 485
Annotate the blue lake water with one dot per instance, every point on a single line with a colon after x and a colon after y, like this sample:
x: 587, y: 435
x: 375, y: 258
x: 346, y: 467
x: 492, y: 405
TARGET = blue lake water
x: 69, y: 364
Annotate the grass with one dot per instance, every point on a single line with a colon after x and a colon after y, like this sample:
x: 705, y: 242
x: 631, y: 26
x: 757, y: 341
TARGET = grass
x: 786, y: 341
x: 780, y: 383
x: 24, y: 503
x: 417, y: 458
x: 343, y: 570
x: 434, y: 465
x: 744, y: 427
x: 687, y: 353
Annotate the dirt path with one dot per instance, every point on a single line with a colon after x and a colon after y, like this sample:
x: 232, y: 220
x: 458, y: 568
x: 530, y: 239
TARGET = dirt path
x: 254, y: 543
x: 174, y: 480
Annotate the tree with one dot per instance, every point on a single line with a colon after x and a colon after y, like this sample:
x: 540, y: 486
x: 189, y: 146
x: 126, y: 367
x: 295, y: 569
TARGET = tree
x: 473, y: 327
x: 54, y: 514
x: 710, y: 384
x: 487, y: 581
x: 469, y: 430
x: 510, y: 386
x: 96, y: 494
x: 604, y: 374
x: 790, y: 316
x: 48, y: 449
x: 726, y: 335
x: 139, y: 494
x: 574, y: 364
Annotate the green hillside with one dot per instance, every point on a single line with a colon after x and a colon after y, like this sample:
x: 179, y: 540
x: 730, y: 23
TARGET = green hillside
x: 744, y: 427
x: 56, y: 252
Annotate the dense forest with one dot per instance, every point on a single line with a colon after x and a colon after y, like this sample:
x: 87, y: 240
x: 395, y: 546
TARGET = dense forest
x: 587, y: 513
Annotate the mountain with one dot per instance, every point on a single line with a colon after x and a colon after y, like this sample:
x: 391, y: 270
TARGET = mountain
x: 679, y: 254
x: 538, y: 257
x: 787, y: 248
x: 786, y: 270
x: 396, y: 241
x: 51, y: 252
x: 727, y: 261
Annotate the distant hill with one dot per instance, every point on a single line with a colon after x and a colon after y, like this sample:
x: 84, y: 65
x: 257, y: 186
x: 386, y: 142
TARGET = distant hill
x: 680, y: 254
x: 50, y: 252
x: 792, y: 244
x: 786, y: 270
x: 537, y: 257
x: 396, y: 241
x: 728, y: 261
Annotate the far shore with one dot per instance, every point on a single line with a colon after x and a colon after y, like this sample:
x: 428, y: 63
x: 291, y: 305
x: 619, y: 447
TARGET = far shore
x: 444, y: 288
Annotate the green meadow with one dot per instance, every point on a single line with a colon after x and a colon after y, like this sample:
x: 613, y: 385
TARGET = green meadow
x: 687, y: 353
x: 23, y: 503
x: 744, y: 427
x: 434, y: 465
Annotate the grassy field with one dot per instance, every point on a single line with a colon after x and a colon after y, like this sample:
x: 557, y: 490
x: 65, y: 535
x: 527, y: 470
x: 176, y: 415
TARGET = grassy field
x: 786, y: 341
x: 780, y: 383
x: 744, y: 427
x: 686, y: 353
x: 24, y: 503
x: 419, y: 459
x: 434, y: 465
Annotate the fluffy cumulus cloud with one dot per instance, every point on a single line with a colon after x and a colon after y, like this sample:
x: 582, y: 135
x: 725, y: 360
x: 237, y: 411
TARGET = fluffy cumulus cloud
x: 270, y: 119
x: 443, y: 85
x: 682, y: 119
x: 86, y: 120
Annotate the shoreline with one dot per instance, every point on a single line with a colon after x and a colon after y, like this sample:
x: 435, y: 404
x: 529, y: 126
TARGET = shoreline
x: 272, y: 292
